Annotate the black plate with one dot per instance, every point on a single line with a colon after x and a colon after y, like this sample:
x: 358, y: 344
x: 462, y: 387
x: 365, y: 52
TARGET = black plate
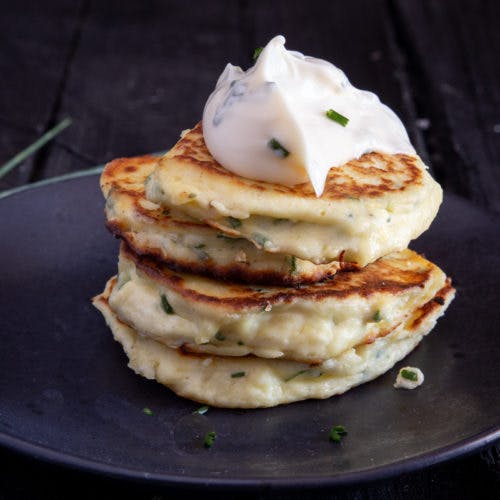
x: 67, y: 395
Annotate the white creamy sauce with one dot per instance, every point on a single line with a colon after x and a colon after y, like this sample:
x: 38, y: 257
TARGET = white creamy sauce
x: 409, y: 377
x: 285, y: 97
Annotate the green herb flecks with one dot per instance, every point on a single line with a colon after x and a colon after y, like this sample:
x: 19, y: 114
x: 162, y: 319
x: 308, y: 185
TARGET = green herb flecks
x: 240, y: 342
x: 209, y: 439
x: 238, y: 374
x: 110, y: 202
x: 256, y: 53
x: 200, y: 253
x: 277, y: 148
x: 166, y: 306
x: 337, y: 117
x: 192, y: 195
x: 293, y: 264
x: 147, y: 411
x: 377, y: 316
x: 201, y: 410
x: 336, y: 433
x: 225, y: 237
x: 123, y: 280
x: 219, y: 336
x: 234, y: 222
x: 25, y: 153
x: 296, y: 374
x: 409, y: 375
x: 260, y: 239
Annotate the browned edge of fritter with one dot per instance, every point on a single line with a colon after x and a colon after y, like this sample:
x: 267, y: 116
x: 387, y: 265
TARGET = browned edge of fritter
x: 121, y: 179
x: 235, y: 273
x: 340, y: 184
x: 362, y: 283
x: 419, y: 315
x: 439, y: 300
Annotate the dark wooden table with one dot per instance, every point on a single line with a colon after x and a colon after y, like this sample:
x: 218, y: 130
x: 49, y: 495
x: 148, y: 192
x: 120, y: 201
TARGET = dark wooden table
x: 132, y: 75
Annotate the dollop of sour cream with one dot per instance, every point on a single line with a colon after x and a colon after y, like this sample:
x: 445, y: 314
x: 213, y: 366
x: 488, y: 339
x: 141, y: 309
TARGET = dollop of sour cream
x: 270, y: 122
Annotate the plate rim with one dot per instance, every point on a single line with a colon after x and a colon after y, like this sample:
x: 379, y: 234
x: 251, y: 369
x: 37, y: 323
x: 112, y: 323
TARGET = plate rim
x: 453, y: 451
x: 53, y: 456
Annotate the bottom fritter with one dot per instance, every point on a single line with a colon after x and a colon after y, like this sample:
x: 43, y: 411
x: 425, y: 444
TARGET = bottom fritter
x: 252, y: 382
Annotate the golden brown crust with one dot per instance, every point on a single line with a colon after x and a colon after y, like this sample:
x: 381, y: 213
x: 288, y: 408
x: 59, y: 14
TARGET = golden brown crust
x: 429, y: 308
x: 122, y: 182
x: 391, y: 275
x: 122, y: 172
x: 236, y: 272
x: 370, y: 176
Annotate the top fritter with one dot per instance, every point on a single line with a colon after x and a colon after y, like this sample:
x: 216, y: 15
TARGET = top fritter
x: 370, y: 207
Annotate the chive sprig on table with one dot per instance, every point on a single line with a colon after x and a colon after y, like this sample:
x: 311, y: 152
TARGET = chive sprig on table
x: 35, y: 146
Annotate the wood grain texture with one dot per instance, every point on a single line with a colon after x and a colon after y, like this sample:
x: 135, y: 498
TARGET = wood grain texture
x: 35, y: 44
x: 453, y: 52
x: 138, y: 77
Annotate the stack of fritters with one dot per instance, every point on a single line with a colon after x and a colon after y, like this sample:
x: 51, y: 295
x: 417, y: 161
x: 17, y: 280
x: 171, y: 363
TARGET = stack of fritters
x: 240, y: 293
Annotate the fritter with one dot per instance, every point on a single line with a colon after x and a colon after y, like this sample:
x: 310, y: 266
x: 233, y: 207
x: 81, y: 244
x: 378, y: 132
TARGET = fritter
x: 309, y: 323
x: 371, y: 206
x: 251, y: 382
x: 188, y: 245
